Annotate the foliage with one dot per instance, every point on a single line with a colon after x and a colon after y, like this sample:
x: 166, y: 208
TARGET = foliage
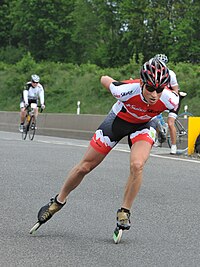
x: 67, y: 83
x: 104, y: 33
x: 11, y: 54
x: 27, y: 63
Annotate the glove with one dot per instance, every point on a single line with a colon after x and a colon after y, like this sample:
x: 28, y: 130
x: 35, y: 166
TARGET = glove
x: 43, y: 106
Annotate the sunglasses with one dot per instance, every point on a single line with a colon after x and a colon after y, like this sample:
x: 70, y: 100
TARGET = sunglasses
x: 152, y: 89
x: 34, y: 81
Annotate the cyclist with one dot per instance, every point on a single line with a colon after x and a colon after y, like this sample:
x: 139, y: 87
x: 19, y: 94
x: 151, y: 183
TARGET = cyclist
x: 33, y: 91
x: 132, y: 115
x: 173, y: 85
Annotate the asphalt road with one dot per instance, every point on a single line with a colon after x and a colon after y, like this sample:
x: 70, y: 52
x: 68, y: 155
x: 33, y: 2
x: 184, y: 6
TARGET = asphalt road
x: 165, y: 216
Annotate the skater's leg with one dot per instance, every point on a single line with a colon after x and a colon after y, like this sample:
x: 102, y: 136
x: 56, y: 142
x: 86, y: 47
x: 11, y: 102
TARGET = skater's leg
x: 91, y: 159
x: 139, y: 154
x: 99, y: 147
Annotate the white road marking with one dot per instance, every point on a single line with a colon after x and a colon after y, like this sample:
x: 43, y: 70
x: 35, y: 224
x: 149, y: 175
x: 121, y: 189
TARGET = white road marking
x: 121, y: 150
x: 117, y: 148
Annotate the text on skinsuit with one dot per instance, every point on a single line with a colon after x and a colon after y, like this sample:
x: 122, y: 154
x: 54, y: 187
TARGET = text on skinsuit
x: 143, y: 110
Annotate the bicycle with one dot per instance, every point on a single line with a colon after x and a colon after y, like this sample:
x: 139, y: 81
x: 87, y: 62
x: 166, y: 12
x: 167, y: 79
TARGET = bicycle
x: 181, y: 132
x: 30, y: 122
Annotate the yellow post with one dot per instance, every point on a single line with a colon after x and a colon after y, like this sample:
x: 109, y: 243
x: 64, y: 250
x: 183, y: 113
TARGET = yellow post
x: 193, y: 132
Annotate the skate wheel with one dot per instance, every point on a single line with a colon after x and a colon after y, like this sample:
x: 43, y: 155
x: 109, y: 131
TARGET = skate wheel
x: 117, y: 235
x: 34, y: 228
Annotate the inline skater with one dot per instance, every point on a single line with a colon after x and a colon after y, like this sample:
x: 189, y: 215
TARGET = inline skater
x: 132, y: 115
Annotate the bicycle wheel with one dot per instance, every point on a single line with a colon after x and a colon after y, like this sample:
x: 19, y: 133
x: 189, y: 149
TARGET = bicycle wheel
x: 31, y: 129
x: 26, y: 129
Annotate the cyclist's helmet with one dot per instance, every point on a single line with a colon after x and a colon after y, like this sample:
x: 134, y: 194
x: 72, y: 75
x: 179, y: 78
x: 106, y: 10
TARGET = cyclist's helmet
x: 154, y: 73
x: 35, y: 78
x: 162, y: 57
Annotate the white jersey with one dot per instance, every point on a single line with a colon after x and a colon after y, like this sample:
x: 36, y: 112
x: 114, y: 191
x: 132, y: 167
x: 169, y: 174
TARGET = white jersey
x: 33, y: 93
x: 173, y: 79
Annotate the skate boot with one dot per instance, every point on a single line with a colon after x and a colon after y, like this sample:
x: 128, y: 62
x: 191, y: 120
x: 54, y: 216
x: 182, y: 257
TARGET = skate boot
x: 123, y: 223
x: 46, y: 212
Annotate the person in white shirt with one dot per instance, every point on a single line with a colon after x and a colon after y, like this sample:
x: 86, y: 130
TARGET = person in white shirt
x: 173, y: 85
x: 32, y: 93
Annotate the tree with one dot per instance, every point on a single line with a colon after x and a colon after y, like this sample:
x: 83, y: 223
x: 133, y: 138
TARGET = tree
x: 84, y: 34
x: 103, y: 32
x: 186, y: 31
x: 43, y: 27
x: 5, y: 25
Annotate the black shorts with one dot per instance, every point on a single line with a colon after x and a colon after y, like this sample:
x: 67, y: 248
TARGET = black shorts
x: 113, y: 129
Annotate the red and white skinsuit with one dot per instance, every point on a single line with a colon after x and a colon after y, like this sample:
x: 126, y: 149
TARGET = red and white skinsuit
x: 131, y: 116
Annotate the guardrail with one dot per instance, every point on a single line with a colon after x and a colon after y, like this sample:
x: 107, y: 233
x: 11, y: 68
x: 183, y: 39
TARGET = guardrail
x: 58, y: 124
x: 55, y: 124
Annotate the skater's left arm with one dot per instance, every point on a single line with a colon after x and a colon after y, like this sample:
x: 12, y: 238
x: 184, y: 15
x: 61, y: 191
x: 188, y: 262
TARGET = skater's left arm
x: 106, y: 81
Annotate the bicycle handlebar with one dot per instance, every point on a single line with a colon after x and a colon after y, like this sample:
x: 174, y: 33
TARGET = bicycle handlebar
x: 185, y: 113
x: 28, y: 108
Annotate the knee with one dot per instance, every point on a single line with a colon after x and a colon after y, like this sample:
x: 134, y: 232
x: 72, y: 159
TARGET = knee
x: 170, y: 123
x: 136, y: 166
x: 23, y: 113
x: 84, y: 168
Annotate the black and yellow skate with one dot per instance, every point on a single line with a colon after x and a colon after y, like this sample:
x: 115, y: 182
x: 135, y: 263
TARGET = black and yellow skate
x: 123, y: 223
x: 46, y: 212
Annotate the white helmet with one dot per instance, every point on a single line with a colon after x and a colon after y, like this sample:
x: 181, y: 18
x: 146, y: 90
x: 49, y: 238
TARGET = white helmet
x: 35, y: 78
x: 162, y: 57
